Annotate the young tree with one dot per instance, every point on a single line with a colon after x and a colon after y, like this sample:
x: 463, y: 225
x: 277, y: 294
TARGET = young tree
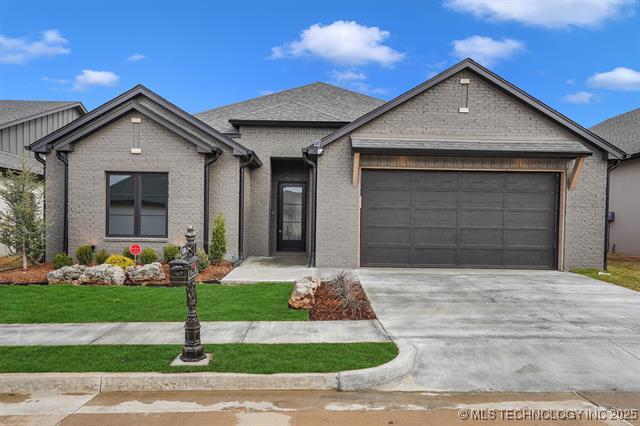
x: 22, y: 227
x: 218, y: 245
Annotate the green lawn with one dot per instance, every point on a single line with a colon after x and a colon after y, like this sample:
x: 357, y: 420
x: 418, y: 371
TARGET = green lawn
x: 238, y: 358
x: 67, y: 303
x: 625, y: 273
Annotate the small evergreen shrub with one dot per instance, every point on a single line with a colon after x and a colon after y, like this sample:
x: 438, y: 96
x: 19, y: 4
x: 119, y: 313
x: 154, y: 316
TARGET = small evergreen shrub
x: 127, y: 253
x: 170, y: 252
x: 121, y: 261
x: 203, y: 260
x: 218, y: 245
x: 62, y: 259
x: 84, y: 255
x: 101, y: 257
x: 147, y: 256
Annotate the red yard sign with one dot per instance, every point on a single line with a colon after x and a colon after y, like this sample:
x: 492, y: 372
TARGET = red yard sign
x: 135, y: 249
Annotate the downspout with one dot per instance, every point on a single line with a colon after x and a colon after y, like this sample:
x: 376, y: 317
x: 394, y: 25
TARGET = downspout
x: 614, y: 164
x: 243, y: 166
x: 312, y: 208
x: 43, y: 161
x: 62, y: 156
x: 205, y: 235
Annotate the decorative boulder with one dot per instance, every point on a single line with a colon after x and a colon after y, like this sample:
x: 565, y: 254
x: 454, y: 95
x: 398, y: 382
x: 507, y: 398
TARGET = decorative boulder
x: 150, y: 272
x: 303, y: 295
x: 103, y: 274
x: 66, y: 274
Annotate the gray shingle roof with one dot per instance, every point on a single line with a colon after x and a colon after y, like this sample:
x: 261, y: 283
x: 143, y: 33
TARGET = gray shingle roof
x: 453, y: 146
x: 15, y: 111
x: 313, y: 102
x: 622, y: 130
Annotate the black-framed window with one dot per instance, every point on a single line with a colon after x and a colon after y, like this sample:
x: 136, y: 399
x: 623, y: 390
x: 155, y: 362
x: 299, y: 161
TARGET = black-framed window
x: 137, y: 204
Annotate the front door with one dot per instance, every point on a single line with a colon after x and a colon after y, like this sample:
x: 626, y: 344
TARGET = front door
x: 291, y: 216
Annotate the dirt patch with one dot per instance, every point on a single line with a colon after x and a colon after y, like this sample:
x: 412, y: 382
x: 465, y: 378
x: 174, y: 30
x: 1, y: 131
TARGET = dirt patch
x: 328, y: 307
x: 35, y: 274
x: 622, y: 258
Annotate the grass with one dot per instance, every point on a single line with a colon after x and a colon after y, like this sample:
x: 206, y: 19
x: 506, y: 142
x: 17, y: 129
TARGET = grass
x: 624, y: 272
x: 237, y: 358
x: 67, y: 303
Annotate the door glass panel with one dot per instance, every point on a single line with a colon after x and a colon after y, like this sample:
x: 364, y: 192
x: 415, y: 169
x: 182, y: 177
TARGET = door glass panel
x: 292, y: 231
x: 292, y: 212
x: 292, y: 195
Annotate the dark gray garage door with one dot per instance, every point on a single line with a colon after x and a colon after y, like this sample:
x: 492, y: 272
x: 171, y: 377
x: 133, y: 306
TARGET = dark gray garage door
x: 459, y: 219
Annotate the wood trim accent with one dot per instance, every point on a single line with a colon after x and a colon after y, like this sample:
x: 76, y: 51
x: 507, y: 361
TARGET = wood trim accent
x: 575, y: 173
x: 356, y: 169
x: 561, y: 219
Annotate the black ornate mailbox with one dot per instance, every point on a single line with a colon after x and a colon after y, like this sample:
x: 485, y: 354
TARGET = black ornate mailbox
x: 183, y: 271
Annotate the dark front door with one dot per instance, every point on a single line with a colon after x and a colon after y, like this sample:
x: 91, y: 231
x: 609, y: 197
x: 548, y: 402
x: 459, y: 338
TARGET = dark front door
x: 459, y: 219
x: 291, y: 216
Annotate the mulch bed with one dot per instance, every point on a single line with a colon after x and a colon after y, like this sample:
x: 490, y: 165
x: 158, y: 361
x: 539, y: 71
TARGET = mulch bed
x: 37, y: 274
x: 329, y: 308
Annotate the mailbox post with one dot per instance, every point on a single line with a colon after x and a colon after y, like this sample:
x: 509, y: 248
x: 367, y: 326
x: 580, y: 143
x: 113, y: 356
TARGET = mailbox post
x: 183, y: 271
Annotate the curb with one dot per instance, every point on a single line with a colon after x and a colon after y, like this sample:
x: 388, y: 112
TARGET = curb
x: 28, y: 383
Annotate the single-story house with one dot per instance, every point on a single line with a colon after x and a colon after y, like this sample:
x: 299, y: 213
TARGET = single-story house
x: 24, y: 122
x: 464, y: 170
x: 623, y: 131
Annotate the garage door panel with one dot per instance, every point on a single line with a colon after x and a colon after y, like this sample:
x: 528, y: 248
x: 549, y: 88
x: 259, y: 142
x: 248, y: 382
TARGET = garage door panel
x: 392, y: 198
x: 472, y: 236
x: 480, y: 218
x: 428, y: 217
x: 429, y: 236
x: 435, y: 200
x: 459, y: 218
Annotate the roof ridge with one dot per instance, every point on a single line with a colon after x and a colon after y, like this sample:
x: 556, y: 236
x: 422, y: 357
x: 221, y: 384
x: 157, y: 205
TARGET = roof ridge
x: 353, y: 92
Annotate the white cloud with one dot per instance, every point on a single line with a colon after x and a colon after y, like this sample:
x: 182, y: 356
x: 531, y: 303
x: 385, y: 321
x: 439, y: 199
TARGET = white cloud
x: 90, y: 78
x: 579, y: 97
x: 342, y: 42
x: 55, y: 80
x: 570, y: 81
x: 486, y: 50
x: 266, y: 92
x: 136, y: 57
x: 620, y: 78
x: 345, y: 76
x: 21, y: 50
x: 544, y: 13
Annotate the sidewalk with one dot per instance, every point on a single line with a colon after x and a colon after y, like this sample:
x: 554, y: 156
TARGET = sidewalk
x: 215, y: 332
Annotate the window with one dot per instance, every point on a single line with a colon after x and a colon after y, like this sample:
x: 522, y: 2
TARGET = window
x: 137, y: 204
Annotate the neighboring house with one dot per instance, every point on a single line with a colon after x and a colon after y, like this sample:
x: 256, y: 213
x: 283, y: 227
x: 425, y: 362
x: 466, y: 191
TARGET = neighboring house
x: 24, y: 122
x: 623, y: 131
x: 464, y: 170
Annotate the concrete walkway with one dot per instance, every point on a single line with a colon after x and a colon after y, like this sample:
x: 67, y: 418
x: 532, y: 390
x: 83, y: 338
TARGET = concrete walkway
x: 159, y: 333
x: 270, y: 269
x: 499, y: 330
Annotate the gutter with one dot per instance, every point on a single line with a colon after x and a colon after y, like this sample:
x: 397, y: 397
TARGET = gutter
x: 251, y: 159
x: 607, y: 226
x: 205, y: 235
x: 63, y: 156
x: 312, y: 208
x: 43, y: 161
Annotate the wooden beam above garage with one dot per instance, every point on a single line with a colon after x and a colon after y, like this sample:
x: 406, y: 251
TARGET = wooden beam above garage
x: 578, y: 164
x: 356, y: 169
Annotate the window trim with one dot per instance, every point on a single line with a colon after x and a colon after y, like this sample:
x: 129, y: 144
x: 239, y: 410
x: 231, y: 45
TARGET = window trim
x: 137, y: 205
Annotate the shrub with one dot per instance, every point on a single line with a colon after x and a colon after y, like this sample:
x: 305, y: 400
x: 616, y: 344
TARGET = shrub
x: 170, y: 252
x: 203, y: 260
x: 218, y: 246
x: 84, y: 255
x: 127, y: 253
x: 101, y: 257
x: 62, y: 259
x: 147, y: 256
x: 121, y: 261
x: 345, y: 288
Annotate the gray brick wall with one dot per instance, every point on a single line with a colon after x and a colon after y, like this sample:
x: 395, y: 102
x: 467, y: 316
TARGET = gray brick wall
x: 54, y: 202
x: 224, y: 197
x: 270, y: 142
x: 109, y: 150
x: 435, y: 113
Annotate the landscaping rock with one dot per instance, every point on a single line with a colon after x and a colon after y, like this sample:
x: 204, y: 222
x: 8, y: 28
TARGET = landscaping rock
x: 103, y: 274
x: 151, y: 272
x: 66, y: 274
x: 303, y: 295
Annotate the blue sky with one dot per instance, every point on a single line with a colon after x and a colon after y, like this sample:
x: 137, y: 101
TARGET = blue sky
x: 581, y: 57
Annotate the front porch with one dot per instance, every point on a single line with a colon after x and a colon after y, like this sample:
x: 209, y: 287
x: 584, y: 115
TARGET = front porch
x: 260, y: 269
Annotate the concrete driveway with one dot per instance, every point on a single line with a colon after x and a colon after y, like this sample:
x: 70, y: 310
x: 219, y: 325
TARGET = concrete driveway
x: 509, y: 330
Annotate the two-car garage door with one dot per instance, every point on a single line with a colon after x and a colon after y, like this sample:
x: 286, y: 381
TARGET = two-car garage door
x: 459, y: 219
